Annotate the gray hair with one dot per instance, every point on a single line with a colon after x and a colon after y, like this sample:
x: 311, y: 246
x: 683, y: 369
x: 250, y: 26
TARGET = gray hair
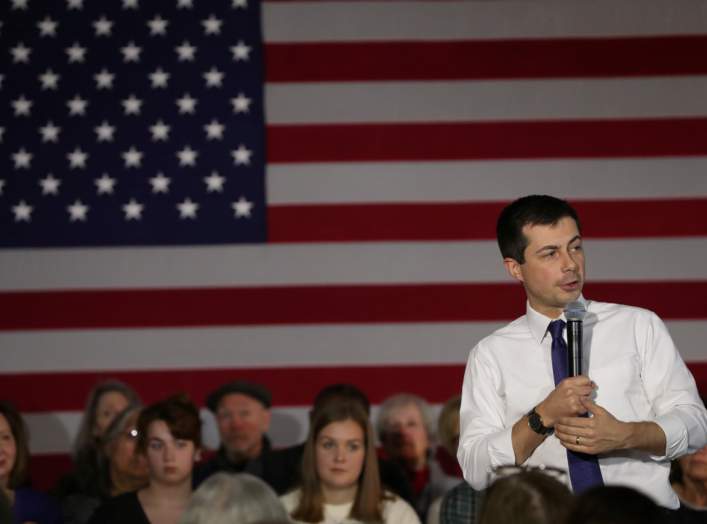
x: 226, y: 498
x: 401, y: 400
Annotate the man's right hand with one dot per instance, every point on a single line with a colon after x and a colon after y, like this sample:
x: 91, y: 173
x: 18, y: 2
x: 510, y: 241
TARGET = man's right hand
x: 564, y: 400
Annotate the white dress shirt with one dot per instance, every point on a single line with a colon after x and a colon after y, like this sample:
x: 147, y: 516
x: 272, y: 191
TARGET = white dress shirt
x: 639, y: 375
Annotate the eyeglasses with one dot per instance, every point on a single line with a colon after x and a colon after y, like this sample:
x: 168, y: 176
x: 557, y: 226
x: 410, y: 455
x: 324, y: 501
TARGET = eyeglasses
x: 131, y: 433
x: 500, y: 472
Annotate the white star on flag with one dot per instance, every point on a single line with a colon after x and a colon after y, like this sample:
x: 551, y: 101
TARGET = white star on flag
x: 103, y: 26
x: 20, y: 53
x: 77, y: 211
x: 130, y: 4
x: 74, y: 4
x: 19, y: 4
x: 212, y: 25
x: 241, y: 103
x: 77, y: 106
x: 213, y: 77
x: 187, y: 156
x: 160, y: 183
x: 22, y: 212
x: 76, y: 53
x: 2, y: 185
x: 22, y: 106
x: 160, y: 131
x: 187, y: 104
x: 187, y: 208
x: 240, y: 51
x: 133, y: 210
x: 185, y: 52
x: 241, y: 156
x: 132, y: 157
x: 214, y: 182
x: 49, y: 79
x: 22, y: 159
x: 214, y: 130
x: 49, y: 132
x: 185, y: 4
x: 242, y: 208
x: 77, y: 159
x: 159, y: 78
x: 50, y: 185
x: 239, y: 4
x: 105, y: 185
x: 104, y: 132
x: 158, y: 26
x: 131, y: 52
x: 104, y: 79
x: 132, y: 105
x: 47, y: 27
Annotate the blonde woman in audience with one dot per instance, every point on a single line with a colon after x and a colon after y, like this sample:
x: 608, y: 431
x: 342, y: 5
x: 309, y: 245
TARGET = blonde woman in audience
x: 340, y: 480
x: 169, y: 435
x: 226, y: 498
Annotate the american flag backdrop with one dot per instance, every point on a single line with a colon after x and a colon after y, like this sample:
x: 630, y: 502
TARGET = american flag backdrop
x: 156, y: 229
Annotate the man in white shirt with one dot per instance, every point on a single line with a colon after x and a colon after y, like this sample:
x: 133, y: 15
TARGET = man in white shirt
x: 642, y: 402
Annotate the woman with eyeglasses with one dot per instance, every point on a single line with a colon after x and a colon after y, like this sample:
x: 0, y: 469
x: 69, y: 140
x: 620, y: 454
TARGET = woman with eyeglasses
x: 169, y: 437
x: 339, y: 478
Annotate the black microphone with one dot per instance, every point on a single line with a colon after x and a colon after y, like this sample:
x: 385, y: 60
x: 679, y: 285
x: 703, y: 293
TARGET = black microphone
x: 574, y: 313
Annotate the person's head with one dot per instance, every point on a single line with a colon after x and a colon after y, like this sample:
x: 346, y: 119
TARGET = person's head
x: 124, y: 465
x: 242, y: 411
x: 169, y: 435
x: 14, y: 447
x: 225, y: 498
x: 405, y: 428
x: 448, y: 425
x: 339, y: 457
x: 340, y: 392
x: 528, y: 497
x: 541, y: 244
x: 104, y: 402
x: 615, y: 505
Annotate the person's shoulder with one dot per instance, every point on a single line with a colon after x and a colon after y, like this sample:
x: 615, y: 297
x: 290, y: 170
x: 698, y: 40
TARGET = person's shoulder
x: 290, y: 499
x: 117, y: 509
x: 608, y: 311
x: 515, y: 331
x: 31, y: 505
x: 398, y: 511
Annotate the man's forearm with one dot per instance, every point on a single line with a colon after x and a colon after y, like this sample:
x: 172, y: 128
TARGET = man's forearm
x: 525, y: 440
x: 645, y: 436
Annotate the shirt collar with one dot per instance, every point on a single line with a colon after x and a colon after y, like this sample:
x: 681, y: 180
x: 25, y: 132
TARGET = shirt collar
x: 537, y: 322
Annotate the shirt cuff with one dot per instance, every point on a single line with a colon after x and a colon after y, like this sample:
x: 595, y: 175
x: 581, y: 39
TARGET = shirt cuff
x: 500, y: 447
x: 675, y: 436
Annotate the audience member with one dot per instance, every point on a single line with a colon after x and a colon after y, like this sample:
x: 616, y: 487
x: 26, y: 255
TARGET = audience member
x: 121, y: 469
x: 616, y: 505
x: 26, y: 504
x: 169, y: 435
x: 446, y: 452
x: 461, y: 505
x: 340, y: 479
x: 241, y: 498
x: 242, y: 412
x: 527, y: 497
x: 405, y: 429
x: 688, y: 476
x: 104, y: 402
x: 5, y: 510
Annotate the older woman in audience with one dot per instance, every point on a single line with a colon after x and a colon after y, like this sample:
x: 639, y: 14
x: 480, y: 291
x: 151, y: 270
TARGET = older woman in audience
x: 121, y: 469
x: 340, y: 479
x: 527, y: 497
x: 169, y: 435
x: 688, y: 476
x: 27, y: 505
x: 226, y: 498
x: 104, y: 402
x: 405, y: 429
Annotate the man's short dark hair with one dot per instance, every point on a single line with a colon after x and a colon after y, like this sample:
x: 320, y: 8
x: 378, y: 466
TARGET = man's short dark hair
x: 529, y: 210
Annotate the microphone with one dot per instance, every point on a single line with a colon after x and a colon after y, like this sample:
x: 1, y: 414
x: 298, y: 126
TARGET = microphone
x: 574, y: 313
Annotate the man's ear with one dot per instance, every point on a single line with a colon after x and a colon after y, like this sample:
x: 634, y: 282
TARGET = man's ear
x: 513, y: 268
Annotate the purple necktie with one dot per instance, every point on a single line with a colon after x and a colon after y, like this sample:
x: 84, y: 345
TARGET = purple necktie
x: 584, y: 469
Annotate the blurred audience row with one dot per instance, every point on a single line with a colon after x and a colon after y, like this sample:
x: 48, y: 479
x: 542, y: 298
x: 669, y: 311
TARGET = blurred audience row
x: 135, y: 464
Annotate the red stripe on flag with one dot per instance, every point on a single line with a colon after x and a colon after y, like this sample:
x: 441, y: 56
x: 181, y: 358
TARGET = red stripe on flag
x: 486, y: 59
x: 475, y: 220
x: 487, y: 140
x: 351, y: 304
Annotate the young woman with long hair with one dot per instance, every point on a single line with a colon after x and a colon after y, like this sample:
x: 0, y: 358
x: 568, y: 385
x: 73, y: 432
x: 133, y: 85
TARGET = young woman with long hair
x: 340, y: 478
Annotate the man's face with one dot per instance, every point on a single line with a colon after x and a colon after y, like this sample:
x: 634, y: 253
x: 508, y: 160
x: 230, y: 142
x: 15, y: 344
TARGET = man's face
x: 242, y: 421
x: 406, y: 436
x: 553, y: 272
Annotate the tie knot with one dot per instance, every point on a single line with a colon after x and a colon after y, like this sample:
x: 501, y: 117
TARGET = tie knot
x: 555, y: 328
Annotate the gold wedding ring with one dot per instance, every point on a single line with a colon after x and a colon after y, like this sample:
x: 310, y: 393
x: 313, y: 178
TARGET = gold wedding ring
x: 577, y: 440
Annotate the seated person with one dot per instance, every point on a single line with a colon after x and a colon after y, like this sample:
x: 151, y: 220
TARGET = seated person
x: 340, y: 479
x: 618, y: 505
x: 169, y: 435
x: 240, y: 498
x: 688, y: 477
x: 26, y: 504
